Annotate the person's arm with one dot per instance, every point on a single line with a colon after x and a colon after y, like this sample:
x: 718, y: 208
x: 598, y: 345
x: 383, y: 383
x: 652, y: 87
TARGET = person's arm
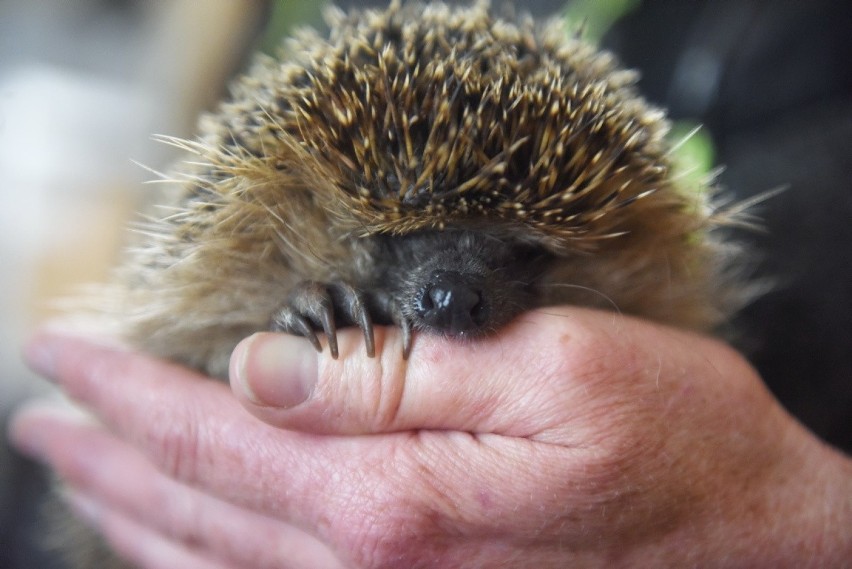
x: 572, y: 438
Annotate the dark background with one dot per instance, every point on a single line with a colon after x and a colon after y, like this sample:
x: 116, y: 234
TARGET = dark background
x: 772, y: 83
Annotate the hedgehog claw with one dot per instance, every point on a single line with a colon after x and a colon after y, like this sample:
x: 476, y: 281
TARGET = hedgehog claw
x: 287, y: 320
x: 406, y: 339
x: 353, y: 306
x: 313, y: 307
x: 328, y: 327
x: 389, y: 308
x: 310, y: 308
x: 405, y: 326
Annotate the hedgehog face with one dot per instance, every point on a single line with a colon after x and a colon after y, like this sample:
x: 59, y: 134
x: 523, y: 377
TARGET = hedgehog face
x: 460, y: 283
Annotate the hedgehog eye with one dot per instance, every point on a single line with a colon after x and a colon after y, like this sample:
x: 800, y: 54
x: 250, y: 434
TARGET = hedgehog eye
x: 416, y: 197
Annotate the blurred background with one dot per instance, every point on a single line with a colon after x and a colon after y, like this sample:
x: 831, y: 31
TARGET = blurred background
x: 84, y: 84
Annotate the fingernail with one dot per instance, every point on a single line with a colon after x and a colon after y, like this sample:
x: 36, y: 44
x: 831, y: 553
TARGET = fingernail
x: 274, y: 370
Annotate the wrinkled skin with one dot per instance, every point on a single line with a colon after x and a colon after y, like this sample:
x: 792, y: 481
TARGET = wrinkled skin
x: 573, y: 438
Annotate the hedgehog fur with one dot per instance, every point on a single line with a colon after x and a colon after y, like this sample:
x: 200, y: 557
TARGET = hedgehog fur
x: 423, y: 138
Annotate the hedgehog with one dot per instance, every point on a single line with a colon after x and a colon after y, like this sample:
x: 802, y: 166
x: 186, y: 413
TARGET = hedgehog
x: 433, y: 167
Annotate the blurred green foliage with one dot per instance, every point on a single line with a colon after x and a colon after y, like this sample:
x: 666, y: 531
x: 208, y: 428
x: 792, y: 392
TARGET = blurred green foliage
x: 693, y: 155
x: 287, y: 15
x: 595, y: 17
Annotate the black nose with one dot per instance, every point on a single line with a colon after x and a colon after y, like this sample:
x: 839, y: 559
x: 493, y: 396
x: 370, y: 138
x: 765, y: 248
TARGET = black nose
x: 451, y: 302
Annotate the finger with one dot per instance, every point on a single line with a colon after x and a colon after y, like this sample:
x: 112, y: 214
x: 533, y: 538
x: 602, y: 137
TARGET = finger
x: 131, y: 489
x: 136, y: 543
x: 524, y: 381
x: 374, y: 499
x: 194, y: 431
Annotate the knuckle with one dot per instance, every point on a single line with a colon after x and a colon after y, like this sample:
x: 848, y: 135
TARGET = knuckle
x: 396, y: 527
x: 367, y: 391
x: 603, y: 363
x: 180, y: 517
x: 406, y: 515
x: 174, y: 444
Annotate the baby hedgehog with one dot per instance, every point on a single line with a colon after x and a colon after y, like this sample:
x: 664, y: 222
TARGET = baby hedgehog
x: 427, y: 166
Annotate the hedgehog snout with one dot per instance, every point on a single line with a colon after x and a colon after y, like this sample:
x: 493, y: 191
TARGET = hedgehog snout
x: 451, y: 302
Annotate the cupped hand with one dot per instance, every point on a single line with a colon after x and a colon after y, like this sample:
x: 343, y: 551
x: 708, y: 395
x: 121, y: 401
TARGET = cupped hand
x: 572, y: 438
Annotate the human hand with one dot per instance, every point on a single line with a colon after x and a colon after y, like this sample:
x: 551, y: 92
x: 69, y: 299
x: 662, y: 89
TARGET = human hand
x: 573, y: 438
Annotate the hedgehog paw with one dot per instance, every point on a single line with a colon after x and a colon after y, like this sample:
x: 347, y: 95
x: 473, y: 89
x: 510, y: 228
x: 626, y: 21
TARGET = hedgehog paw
x: 317, y: 307
x: 312, y: 307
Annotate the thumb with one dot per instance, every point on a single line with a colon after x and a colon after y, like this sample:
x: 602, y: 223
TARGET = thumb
x: 524, y: 381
